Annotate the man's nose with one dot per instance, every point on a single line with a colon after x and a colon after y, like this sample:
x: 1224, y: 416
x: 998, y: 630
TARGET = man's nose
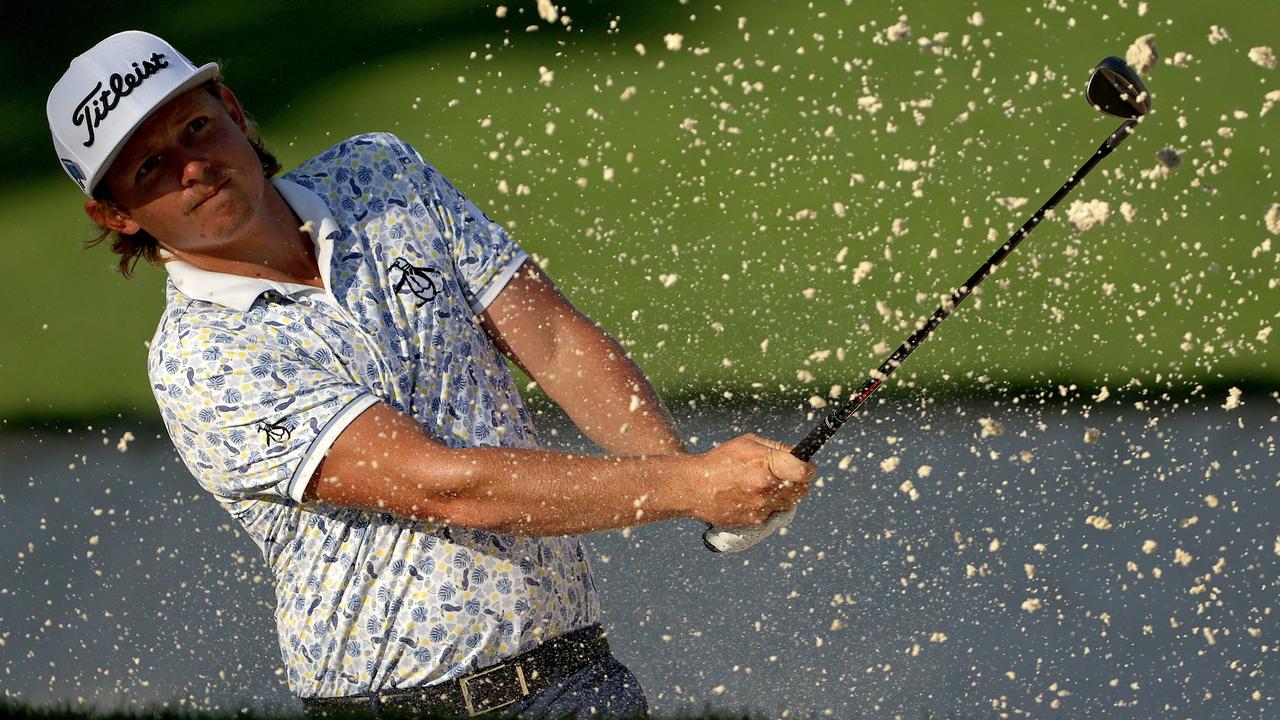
x: 197, y: 169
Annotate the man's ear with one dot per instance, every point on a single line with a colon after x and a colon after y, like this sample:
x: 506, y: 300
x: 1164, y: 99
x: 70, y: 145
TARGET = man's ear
x: 111, y: 216
x: 232, y: 104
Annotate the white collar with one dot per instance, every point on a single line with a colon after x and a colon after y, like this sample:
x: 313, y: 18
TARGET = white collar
x: 239, y: 291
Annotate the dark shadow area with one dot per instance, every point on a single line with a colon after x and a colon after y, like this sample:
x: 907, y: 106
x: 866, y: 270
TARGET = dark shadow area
x: 273, y: 52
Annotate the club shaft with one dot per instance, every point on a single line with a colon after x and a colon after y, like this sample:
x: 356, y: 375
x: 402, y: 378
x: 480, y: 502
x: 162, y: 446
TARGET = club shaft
x: 829, y: 424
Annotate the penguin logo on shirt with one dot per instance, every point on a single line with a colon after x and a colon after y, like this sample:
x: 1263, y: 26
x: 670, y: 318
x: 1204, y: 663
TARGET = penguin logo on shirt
x: 418, y: 281
x: 277, y: 432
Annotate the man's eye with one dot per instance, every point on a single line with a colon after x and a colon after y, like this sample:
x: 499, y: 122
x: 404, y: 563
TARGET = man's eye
x: 198, y: 123
x: 148, y: 165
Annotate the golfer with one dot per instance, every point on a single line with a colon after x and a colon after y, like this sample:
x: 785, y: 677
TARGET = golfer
x: 330, y: 367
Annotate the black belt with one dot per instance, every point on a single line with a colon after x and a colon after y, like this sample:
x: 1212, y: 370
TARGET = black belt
x: 487, y: 689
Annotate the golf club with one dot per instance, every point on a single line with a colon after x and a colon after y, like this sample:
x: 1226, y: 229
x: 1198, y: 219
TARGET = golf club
x: 1114, y: 89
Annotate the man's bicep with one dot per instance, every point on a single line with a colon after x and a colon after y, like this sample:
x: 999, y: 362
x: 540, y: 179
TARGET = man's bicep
x: 383, y: 460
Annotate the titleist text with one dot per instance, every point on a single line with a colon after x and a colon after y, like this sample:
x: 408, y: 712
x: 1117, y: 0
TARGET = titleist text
x: 100, y: 102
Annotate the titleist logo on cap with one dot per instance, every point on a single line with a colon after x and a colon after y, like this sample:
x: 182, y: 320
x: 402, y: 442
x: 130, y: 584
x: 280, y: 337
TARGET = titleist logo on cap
x: 102, y: 102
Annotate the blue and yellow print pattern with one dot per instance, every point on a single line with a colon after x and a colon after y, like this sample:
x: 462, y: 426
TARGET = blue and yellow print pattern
x: 367, y: 600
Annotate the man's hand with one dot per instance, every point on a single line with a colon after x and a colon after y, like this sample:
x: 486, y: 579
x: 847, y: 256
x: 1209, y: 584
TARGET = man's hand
x: 746, y: 479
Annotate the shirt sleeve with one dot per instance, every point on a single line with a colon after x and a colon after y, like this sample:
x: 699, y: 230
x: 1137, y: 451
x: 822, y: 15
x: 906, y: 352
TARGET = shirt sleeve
x: 484, y: 255
x: 249, y: 420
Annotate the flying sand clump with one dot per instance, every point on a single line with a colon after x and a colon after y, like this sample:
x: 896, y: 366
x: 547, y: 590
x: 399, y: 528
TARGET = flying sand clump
x: 547, y: 11
x: 899, y: 31
x: 1084, y: 215
x: 1233, y: 399
x: 1263, y: 56
x: 1272, y: 218
x: 860, y: 273
x: 1269, y: 101
x: 990, y: 427
x: 1142, y: 53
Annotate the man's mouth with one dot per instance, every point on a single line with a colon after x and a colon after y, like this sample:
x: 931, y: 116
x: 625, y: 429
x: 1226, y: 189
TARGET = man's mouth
x: 206, y: 195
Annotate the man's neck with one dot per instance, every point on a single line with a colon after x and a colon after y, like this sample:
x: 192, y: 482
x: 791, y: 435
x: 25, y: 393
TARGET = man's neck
x: 275, y: 247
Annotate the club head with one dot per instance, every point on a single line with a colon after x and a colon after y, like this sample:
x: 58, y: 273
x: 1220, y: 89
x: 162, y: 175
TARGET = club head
x: 1115, y: 89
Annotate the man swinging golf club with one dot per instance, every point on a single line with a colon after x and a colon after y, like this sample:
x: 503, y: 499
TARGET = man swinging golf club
x: 329, y: 365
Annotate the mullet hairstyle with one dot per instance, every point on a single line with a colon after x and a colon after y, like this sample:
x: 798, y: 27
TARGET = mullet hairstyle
x: 142, y: 245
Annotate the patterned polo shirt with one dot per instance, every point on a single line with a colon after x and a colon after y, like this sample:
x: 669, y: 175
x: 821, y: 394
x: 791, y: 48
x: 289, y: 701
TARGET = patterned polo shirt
x: 256, y: 379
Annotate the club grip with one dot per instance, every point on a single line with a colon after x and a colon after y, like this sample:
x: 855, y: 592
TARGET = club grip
x: 737, y: 539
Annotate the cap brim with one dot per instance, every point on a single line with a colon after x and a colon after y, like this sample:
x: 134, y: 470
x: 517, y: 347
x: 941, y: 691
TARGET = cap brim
x: 206, y: 72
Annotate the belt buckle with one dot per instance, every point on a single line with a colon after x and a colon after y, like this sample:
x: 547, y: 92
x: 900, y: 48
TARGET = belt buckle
x: 495, y: 684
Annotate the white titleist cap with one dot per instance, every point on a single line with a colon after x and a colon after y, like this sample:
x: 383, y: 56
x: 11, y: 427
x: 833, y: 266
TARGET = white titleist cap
x: 106, y: 94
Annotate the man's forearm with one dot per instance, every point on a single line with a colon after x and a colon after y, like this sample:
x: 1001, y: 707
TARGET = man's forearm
x: 581, y: 368
x: 605, y: 393
x: 549, y: 493
x: 385, y: 461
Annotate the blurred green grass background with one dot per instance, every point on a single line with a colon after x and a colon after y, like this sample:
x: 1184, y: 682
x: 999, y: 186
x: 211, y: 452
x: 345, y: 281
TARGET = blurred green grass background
x: 723, y: 167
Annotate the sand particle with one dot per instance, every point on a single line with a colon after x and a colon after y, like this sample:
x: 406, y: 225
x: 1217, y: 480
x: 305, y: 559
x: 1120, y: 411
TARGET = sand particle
x: 1142, y: 53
